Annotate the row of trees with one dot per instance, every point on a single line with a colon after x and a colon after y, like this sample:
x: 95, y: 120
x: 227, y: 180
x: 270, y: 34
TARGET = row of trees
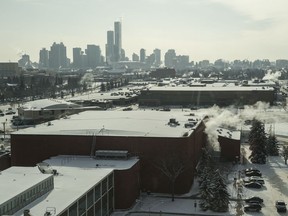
x: 262, y: 145
x: 212, y: 187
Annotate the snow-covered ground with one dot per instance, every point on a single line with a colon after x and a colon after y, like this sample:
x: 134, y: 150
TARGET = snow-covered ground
x: 274, y: 173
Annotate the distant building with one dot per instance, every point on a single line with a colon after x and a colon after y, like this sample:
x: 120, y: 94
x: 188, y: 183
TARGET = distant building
x: 9, y: 69
x: 77, y: 58
x: 135, y: 57
x: 25, y: 62
x: 206, y: 96
x: 281, y: 63
x: 118, y: 40
x: 57, y: 56
x: 93, y: 53
x: 170, y: 57
x: 157, y: 53
x: 163, y: 73
x: 110, y: 47
x: 43, y: 58
x: 142, y: 55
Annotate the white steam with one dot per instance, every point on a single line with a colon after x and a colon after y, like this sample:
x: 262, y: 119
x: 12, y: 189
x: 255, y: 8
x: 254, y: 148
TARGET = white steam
x: 273, y: 76
x: 234, y: 118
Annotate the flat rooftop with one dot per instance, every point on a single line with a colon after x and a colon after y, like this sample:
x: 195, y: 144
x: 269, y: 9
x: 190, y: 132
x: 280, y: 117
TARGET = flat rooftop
x: 15, y: 180
x: 212, y: 87
x: 77, y: 175
x: 140, y: 123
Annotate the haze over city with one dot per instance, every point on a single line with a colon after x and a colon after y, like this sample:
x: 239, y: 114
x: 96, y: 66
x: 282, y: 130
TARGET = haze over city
x: 206, y: 29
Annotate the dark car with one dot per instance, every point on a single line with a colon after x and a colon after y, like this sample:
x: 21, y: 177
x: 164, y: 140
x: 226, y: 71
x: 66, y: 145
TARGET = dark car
x: 253, y: 173
x: 253, y: 185
x: 251, y: 169
x: 254, y: 199
x: 254, y: 179
x: 280, y: 206
x: 253, y: 207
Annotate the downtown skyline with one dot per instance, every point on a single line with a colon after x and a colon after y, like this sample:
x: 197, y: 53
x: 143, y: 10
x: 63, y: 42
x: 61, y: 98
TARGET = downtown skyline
x: 207, y: 29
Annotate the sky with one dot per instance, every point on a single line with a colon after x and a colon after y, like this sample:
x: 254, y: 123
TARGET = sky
x: 202, y: 29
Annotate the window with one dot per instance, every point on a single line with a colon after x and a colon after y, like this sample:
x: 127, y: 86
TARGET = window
x: 73, y: 210
x: 110, y: 181
x: 82, y: 205
x: 97, y: 192
x: 104, y: 186
x: 98, y: 208
x: 90, y: 200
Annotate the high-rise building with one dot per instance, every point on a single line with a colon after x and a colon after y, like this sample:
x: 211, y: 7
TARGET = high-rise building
x: 43, y: 58
x: 170, y: 56
x: 157, y: 53
x: 118, y: 40
x: 77, y: 58
x: 135, y: 57
x: 25, y: 61
x: 57, y: 56
x: 110, y: 47
x: 93, y: 53
x: 142, y: 55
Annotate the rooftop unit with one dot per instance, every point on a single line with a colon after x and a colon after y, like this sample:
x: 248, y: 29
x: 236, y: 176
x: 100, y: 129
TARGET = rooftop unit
x: 111, y: 154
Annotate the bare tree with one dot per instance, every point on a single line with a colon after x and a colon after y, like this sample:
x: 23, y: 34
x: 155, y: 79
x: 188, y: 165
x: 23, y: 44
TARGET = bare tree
x: 172, y: 166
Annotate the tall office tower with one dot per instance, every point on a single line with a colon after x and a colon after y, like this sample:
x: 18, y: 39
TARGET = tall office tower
x: 77, y: 58
x: 157, y: 53
x: 43, y: 58
x: 93, y: 53
x: 25, y: 61
x: 57, y: 56
x: 142, y: 55
x: 110, y: 47
x: 135, y: 57
x: 118, y: 40
x: 170, y: 57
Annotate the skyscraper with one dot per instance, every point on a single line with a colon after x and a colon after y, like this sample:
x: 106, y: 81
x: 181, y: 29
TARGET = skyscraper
x: 118, y: 40
x: 142, y: 55
x: 57, y: 56
x: 110, y: 47
x: 157, y: 53
x: 44, y: 58
x: 93, y: 53
x: 170, y: 56
x: 77, y: 58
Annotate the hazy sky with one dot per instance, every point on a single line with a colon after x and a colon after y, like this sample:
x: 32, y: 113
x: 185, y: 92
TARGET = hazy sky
x: 202, y: 29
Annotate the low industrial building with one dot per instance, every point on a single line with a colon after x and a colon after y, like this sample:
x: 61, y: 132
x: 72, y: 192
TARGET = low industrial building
x: 152, y: 136
x: 206, y: 96
x: 68, y: 185
x: 37, y: 111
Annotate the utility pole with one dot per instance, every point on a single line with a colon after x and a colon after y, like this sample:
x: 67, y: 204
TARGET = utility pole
x: 4, y: 124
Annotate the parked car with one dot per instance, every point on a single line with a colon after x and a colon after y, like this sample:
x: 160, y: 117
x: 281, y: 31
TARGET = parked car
x: 280, y: 206
x: 254, y: 179
x: 251, y: 169
x: 253, y: 185
x: 253, y: 173
x: 254, y: 199
x: 252, y: 207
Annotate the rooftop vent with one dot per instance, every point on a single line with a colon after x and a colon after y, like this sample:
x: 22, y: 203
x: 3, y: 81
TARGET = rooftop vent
x: 173, y: 122
x: 111, y: 154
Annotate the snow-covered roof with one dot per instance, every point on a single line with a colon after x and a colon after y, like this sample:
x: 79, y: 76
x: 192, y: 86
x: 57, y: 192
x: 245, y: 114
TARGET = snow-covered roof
x: 149, y: 123
x: 77, y: 175
x: 235, y: 135
x: 211, y: 88
x: 15, y: 180
x: 48, y: 104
